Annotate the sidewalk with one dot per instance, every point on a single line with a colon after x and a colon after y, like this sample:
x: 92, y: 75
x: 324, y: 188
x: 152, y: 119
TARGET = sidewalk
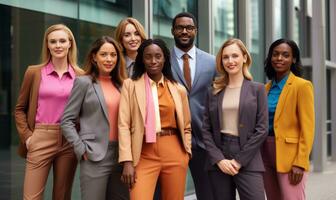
x: 322, y: 186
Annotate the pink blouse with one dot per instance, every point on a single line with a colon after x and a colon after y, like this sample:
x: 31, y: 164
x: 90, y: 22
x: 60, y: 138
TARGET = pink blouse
x: 53, y: 94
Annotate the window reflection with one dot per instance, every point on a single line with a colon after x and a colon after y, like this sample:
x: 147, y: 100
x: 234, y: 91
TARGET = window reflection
x: 224, y: 21
x: 279, y: 18
x: 257, y: 48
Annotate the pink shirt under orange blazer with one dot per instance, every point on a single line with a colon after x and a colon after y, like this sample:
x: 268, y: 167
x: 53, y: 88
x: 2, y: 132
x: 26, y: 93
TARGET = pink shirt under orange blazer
x: 53, y: 94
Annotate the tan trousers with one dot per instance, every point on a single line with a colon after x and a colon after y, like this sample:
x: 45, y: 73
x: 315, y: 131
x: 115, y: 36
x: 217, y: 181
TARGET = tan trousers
x: 164, y: 160
x: 48, y: 148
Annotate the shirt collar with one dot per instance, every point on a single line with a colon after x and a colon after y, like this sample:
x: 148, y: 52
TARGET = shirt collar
x: 50, y: 69
x: 281, y: 83
x: 161, y: 81
x: 129, y: 61
x: 179, y: 53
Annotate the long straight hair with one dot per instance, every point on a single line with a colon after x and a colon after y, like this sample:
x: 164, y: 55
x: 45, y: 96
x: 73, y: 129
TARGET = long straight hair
x: 72, y: 54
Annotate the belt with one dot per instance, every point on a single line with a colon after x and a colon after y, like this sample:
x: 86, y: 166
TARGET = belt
x: 165, y: 132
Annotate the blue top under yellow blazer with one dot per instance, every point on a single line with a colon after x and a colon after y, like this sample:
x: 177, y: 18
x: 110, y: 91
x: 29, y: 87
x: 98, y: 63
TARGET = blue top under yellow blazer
x: 294, y: 124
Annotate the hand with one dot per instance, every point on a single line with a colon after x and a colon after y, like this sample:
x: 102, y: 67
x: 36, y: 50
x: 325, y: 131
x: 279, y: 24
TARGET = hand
x: 85, y: 156
x: 128, y: 175
x: 28, y: 142
x: 227, y: 167
x: 295, y: 175
x: 236, y: 164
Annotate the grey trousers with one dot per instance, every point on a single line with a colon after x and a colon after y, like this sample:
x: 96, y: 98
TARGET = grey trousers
x: 249, y: 184
x: 101, y: 180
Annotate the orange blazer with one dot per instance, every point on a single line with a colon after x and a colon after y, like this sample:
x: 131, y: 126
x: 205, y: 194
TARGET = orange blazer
x: 132, y: 112
x: 294, y: 124
x: 26, y: 106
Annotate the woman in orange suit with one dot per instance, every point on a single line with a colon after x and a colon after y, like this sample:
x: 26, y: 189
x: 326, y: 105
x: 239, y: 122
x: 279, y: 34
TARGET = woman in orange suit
x: 154, y: 126
x: 291, y: 123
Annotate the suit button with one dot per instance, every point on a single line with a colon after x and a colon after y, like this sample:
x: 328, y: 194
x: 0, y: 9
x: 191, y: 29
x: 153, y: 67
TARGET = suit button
x: 241, y: 125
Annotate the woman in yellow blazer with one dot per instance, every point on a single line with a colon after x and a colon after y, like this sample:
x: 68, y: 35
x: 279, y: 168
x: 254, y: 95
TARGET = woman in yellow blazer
x: 291, y: 123
x: 154, y: 126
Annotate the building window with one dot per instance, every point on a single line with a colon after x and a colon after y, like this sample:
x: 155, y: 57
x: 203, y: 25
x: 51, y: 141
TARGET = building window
x: 257, y: 48
x: 225, y: 18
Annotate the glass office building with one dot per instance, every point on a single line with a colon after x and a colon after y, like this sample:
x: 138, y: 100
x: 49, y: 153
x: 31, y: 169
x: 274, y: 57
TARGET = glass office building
x: 312, y: 24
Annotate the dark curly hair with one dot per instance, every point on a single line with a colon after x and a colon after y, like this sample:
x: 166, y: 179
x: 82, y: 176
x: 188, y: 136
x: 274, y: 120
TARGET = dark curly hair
x: 139, y: 66
x: 296, y: 68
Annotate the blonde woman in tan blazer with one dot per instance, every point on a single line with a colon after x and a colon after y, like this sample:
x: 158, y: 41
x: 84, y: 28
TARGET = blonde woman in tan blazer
x: 154, y: 148
x: 37, y: 120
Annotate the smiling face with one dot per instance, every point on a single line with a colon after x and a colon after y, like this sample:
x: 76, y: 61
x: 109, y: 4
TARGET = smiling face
x: 58, y: 44
x: 282, y: 59
x: 233, y: 59
x: 106, y: 59
x: 153, y: 60
x: 131, y: 39
x: 184, y: 32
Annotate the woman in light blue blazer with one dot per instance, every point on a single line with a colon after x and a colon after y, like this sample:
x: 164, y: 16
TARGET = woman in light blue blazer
x: 94, y: 101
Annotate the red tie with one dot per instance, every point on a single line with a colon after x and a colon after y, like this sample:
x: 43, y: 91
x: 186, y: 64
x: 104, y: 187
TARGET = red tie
x: 186, y: 70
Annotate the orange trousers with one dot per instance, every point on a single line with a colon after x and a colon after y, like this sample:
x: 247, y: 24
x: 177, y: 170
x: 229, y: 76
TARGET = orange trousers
x: 48, y: 148
x: 165, y: 161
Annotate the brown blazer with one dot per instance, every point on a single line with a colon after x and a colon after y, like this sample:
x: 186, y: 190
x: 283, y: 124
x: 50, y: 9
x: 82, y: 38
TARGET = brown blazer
x: 132, y: 112
x: 26, y: 106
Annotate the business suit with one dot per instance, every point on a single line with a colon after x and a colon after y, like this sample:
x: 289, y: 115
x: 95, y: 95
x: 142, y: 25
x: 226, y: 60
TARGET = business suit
x: 87, y: 103
x: 204, y: 75
x: 132, y: 115
x: 47, y: 148
x: 252, y: 129
x: 293, y: 132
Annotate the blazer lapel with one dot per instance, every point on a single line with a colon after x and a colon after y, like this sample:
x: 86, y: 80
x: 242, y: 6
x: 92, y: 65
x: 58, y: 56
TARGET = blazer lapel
x: 141, y: 96
x: 243, y: 94
x: 101, y: 98
x: 283, y: 96
x: 220, y: 97
x: 177, y: 70
x: 198, y: 68
x: 178, y: 103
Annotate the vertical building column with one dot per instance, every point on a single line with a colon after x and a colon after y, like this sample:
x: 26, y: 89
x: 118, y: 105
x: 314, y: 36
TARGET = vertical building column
x: 290, y: 19
x: 244, y: 15
x: 319, y: 81
x: 269, y: 23
x: 142, y: 10
x: 205, y: 26
x: 332, y: 10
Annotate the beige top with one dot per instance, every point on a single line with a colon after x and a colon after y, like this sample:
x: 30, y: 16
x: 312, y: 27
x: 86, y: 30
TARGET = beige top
x: 230, y: 111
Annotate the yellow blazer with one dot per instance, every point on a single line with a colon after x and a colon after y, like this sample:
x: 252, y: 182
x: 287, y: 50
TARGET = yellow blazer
x: 132, y: 112
x: 294, y: 123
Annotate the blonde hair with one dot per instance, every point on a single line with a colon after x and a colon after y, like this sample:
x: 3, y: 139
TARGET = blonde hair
x: 120, y: 30
x: 223, y: 77
x: 72, y: 54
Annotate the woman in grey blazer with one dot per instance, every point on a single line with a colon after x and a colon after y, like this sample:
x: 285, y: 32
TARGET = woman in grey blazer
x: 94, y: 101
x: 234, y: 127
